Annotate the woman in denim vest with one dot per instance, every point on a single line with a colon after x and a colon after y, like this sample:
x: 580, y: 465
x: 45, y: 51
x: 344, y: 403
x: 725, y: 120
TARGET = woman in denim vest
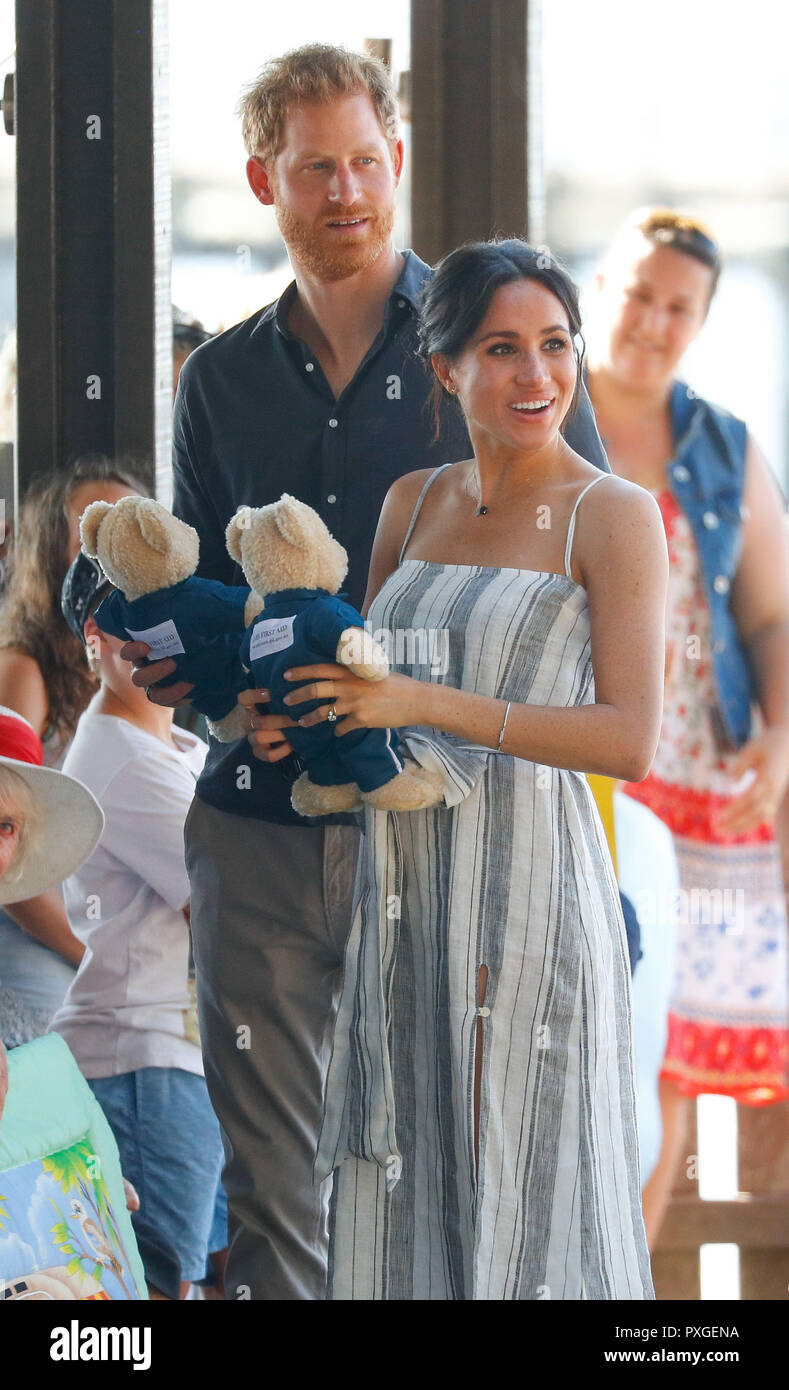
x: 723, y: 759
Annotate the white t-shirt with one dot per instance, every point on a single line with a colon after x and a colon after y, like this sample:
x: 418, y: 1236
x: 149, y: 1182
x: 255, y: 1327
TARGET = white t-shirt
x: 130, y: 1004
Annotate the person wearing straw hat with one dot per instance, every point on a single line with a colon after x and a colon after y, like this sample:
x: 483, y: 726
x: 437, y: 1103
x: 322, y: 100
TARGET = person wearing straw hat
x: 51, y: 822
x: 37, y: 803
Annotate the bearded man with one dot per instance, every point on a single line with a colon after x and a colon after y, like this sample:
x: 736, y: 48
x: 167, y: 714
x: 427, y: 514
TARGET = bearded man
x: 320, y: 394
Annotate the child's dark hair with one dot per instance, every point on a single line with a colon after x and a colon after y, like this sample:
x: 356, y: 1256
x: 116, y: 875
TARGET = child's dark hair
x: 457, y: 298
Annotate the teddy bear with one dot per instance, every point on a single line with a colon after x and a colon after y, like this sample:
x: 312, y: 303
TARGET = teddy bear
x: 295, y: 568
x: 151, y: 556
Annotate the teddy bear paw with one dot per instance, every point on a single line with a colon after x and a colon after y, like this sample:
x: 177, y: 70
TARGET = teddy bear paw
x: 413, y: 789
x: 234, y: 726
x: 309, y: 799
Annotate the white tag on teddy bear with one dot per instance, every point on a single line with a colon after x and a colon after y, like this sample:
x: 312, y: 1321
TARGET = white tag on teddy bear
x: 271, y: 635
x: 163, y: 639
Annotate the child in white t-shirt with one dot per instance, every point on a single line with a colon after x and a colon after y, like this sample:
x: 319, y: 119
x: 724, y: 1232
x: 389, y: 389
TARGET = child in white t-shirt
x: 129, y: 1016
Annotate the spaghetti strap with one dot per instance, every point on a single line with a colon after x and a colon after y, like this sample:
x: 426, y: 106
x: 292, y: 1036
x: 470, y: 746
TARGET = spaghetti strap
x: 415, y: 513
x: 571, y: 528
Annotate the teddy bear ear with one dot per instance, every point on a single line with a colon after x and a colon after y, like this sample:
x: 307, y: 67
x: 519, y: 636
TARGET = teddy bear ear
x: 155, y: 523
x: 89, y: 524
x: 237, y: 524
x: 295, y: 521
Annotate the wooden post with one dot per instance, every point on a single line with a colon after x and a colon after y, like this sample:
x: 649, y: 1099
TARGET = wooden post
x: 472, y: 161
x: 93, y: 233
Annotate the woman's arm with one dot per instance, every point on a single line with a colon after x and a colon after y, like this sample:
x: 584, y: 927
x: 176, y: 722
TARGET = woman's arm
x: 22, y: 687
x: 760, y: 592
x: 44, y: 918
x: 620, y: 552
x: 760, y: 606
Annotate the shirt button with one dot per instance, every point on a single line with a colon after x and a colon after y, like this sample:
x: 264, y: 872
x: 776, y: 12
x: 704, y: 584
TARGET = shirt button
x: 333, y: 423
x: 331, y: 497
x: 681, y: 473
x: 484, y: 1012
x: 401, y: 303
x: 720, y: 584
x: 718, y: 646
x: 711, y: 520
x: 309, y: 366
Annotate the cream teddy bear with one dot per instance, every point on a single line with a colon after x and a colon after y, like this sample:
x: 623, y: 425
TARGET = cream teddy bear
x: 151, y: 556
x: 295, y: 568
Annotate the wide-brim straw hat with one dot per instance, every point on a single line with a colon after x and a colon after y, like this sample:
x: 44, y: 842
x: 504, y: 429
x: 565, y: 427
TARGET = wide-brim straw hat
x: 71, y: 820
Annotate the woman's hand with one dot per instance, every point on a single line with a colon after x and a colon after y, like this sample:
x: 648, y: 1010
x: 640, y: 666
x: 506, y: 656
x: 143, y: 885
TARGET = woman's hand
x: 266, y: 738
x: 394, y: 702
x: 767, y: 756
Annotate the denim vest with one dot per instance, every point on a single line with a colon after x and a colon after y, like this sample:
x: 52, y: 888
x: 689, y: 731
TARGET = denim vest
x: 706, y: 476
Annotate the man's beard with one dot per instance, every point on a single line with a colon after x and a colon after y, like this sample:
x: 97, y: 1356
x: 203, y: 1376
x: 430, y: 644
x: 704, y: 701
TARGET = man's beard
x: 325, y: 256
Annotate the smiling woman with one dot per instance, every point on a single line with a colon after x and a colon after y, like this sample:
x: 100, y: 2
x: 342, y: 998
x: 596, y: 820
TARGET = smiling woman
x: 481, y: 1075
x: 722, y: 762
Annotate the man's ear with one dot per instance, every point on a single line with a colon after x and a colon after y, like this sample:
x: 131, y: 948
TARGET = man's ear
x: 259, y: 181
x: 398, y: 155
x: 599, y: 280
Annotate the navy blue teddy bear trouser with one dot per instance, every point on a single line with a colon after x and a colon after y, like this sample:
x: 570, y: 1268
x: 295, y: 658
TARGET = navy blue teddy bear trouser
x: 364, y: 756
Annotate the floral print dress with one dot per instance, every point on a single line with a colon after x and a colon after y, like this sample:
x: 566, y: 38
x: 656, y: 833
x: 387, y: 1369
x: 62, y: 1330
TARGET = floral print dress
x: 728, y: 1027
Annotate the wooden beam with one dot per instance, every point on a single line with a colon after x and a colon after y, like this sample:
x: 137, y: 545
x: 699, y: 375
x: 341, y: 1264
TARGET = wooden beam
x: 752, y: 1221
x: 470, y: 121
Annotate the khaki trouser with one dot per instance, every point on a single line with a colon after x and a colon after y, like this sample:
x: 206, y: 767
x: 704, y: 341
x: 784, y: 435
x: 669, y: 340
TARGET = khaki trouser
x: 270, y: 914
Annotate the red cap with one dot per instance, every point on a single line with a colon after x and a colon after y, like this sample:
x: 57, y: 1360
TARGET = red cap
x: 18, y: 739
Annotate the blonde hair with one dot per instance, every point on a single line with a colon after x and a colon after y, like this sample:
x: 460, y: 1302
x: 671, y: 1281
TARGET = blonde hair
x: 17, y: 800
x: 663, y: 226
x: 316, y: 72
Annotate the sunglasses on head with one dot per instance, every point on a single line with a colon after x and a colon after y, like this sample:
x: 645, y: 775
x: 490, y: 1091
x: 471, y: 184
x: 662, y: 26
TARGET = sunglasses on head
x: 681, y: 232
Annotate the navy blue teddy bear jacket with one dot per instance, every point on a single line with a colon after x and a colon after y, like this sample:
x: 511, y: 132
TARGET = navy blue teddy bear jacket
x: 302, y: 627
x: 199, y: 623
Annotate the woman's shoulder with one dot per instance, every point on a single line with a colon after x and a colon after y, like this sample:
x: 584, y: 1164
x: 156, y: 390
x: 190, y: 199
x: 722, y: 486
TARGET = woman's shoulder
x: 616, y: 500
x: 22, y: 685
x: 17, y: 659
x: 405, y: 492
x: 615, y: 519
x: 408, y: 486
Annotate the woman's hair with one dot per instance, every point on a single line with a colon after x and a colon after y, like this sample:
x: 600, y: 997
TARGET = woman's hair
x: 666, y: 227
x: 18, y: 801
x: 30, y: 616
x: 458, y: 296
x: 318, y: 72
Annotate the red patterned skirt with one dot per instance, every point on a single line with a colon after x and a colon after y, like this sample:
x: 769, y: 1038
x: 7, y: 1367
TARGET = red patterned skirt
x: 728, y: 1026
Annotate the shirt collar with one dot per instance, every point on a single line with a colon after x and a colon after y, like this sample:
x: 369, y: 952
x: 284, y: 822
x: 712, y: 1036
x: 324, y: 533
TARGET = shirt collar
x: 412, y: 280
x: 409, y: 286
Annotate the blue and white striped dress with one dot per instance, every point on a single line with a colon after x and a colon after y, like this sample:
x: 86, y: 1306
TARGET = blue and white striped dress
x: 514, y: 875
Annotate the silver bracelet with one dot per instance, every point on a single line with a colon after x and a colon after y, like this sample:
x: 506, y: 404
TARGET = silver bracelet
x: 504, y: 725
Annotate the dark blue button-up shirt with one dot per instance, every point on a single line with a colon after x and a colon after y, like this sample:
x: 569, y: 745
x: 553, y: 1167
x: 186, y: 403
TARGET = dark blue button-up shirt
x: 256, y: 417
